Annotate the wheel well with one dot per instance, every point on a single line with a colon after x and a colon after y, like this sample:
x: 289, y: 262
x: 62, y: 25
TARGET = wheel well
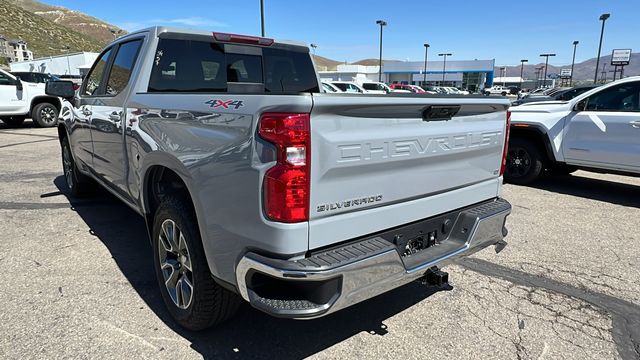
x: 45, y: 99
x: 536, y: 138
x: 160, y: 182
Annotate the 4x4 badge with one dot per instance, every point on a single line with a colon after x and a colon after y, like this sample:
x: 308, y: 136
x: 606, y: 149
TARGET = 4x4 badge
x: 225, y: 104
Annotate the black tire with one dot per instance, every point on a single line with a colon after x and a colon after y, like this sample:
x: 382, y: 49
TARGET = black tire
x: 209, y: 304
x: 13, y: 121
x: 78, y: 184
x: 525, y: 162
x: 504, y: 93
x: 45, y: 115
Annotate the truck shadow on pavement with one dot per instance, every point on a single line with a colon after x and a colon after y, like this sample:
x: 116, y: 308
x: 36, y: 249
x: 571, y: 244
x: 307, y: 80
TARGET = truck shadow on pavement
x: 251, y: 334
x: 596, y: 189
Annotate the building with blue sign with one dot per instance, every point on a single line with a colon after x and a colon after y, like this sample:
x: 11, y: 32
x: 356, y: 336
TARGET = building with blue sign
x: 464, y: 74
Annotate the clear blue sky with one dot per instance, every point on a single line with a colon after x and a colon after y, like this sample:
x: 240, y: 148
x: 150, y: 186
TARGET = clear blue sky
x: 345, y: 30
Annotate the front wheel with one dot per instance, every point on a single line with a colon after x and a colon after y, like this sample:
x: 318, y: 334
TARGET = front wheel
x: 78, y: 184
x: 45, y: 115
x: 525, y: 162
x: 188, y: 290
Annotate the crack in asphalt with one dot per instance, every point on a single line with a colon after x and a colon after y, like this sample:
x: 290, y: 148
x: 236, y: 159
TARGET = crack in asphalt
x: 25, y: 143
x: 8, y: 205
x: 27, y: 134
x: 625, y: 316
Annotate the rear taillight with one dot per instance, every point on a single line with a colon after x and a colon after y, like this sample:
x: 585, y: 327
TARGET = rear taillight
x: 245, y: 39
x: 506, y: 144
x: 286, y: 184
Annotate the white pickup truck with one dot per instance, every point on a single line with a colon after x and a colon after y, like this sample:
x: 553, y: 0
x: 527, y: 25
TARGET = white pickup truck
x: 21, y: 99
x: 497, y: 90
x: 597, y: 131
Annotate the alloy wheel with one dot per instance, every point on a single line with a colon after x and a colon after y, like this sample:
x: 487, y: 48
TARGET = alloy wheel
x: 175, y: 264
x: 48, y: 114
x: 67, y: 164
x: 518, y: 162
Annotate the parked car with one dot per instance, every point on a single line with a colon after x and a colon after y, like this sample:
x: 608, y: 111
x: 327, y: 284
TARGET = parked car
x: 562, y: 95
x: 497, y: 90
x: 330, y: 88
x: 374, y: 87
x: 21, y: 99
x: 264, y: 189
x: 34, y: 77
x: 407, y: 88
x: 598, y: 130
x: 348, y: 87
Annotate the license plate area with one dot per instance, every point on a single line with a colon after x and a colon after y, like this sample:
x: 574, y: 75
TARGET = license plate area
x: 430, y: 239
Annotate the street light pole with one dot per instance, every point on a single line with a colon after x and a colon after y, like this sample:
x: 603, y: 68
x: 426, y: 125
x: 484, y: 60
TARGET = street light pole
x: 68, y: 65
x: 424, y: 77
x: 444, y: 66
x: 313, y: 46
x: 382, y: 23
x: 575, y: 45
x: 262, y: 16
x: 503, y: 74
x: 546, y: 64
x: 604, y: 18
x: 522, y: 70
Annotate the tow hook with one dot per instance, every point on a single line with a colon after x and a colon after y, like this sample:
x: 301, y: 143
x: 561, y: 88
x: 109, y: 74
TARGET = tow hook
x: 435, y: 277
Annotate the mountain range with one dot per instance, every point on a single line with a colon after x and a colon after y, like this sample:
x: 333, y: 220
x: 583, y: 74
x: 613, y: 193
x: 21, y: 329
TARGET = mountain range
x: 584, y: 70
x: 49, y: 30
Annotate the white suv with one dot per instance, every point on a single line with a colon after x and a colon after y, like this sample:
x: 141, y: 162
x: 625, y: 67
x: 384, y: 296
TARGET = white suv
x: 20, y: 99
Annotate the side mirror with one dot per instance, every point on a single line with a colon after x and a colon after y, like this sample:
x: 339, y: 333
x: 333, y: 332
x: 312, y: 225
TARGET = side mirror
x: 19, y: 86
x: 580, y: 106
x: 63, y: 89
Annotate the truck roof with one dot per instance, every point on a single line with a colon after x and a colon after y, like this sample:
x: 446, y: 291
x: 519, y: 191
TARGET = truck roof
x: 156, y: 30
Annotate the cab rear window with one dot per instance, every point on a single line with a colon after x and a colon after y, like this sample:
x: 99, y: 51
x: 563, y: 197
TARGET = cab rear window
x: 200, y: 66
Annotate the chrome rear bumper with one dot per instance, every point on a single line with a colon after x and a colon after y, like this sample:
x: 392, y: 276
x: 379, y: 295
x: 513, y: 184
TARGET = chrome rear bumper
x: 337, y: 278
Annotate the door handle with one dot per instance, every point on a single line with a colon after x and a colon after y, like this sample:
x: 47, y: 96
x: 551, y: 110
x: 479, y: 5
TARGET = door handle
x: 635, y: 124
x: 114, y: 116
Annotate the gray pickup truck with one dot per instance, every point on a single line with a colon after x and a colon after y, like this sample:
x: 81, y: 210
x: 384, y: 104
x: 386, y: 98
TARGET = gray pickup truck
x: 257, y: 186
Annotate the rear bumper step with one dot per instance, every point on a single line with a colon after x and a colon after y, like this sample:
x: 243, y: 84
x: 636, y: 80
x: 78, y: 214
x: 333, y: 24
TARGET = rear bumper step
x: 337, y: 278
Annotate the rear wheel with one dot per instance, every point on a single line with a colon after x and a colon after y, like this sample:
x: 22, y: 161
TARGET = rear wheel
x: 525, y: 162
x: 13, y: 121
x: 45, y: 115
x: 189, y: 292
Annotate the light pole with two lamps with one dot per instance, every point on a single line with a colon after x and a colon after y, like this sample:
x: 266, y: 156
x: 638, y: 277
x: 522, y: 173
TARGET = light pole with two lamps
x: 444, y: 65
x: 382, y: 23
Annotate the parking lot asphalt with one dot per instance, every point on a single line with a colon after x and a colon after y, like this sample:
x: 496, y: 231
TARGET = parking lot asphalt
x: 78, y: 282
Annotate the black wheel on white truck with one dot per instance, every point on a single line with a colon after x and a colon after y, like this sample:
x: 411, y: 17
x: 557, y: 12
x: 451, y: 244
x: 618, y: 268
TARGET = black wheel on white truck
x: 525, y: 162
x: 44, y: 115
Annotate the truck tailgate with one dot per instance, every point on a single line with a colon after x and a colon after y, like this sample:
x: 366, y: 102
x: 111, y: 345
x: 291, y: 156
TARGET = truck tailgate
x: 376, y: 163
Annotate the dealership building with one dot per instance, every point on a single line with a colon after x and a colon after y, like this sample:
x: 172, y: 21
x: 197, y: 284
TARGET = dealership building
x: 68, y: 64
x: 465, y: 74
